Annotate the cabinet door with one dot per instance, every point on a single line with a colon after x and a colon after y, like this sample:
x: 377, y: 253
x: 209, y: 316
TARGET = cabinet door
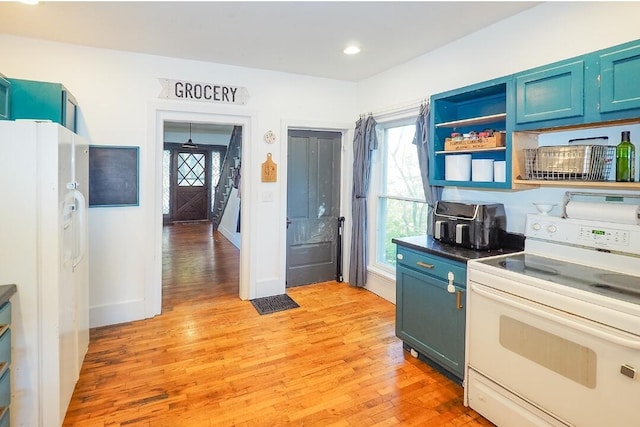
x: 551, y: 94
x: 428, y: 318
x: 620, y: 79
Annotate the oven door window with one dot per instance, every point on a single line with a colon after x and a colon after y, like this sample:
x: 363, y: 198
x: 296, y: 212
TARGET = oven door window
x: 567, y: 358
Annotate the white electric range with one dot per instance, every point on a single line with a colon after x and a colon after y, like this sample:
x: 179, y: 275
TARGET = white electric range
x: 553, y: 333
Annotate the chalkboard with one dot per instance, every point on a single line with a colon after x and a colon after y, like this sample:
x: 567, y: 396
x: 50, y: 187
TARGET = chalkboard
x: 113, y: 176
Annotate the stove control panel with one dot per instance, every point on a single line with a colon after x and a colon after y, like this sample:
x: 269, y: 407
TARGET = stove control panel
x: 595, y: 234
x: 604, y: 235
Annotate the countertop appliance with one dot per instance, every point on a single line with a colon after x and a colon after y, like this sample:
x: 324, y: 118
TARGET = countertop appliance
x: 477, y: 226
x: 553, y: 332
x: 43, y: 250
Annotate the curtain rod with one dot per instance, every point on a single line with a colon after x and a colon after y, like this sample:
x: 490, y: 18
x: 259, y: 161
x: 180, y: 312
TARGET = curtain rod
x: 397, y: 108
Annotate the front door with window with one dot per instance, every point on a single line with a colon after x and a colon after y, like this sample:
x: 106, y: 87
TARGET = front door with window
x: 313, y: 206
x: 190, y: 189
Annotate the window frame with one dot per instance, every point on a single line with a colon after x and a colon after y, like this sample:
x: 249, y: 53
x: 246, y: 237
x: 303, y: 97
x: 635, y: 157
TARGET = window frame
x: 377, y: 196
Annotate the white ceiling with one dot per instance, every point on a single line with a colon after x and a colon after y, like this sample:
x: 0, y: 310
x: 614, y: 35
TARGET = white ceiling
x: 301, y: 37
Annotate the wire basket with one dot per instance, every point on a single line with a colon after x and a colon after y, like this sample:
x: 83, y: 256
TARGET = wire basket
x: 577, y: 162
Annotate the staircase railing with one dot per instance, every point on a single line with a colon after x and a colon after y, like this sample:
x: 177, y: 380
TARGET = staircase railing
x: 230, y: 167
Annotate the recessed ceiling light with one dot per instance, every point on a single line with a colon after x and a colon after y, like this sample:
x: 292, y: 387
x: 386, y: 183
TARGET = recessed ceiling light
x: 351, y: 50
x: 32, y: 2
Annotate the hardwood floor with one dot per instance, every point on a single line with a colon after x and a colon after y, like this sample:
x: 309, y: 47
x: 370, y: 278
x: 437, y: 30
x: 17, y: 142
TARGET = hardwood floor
x: 211, y: 360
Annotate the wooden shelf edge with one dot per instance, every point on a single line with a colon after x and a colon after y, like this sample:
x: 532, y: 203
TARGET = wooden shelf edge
x: 472, y: 121
x: 476, y: 150
x: 587, y: 184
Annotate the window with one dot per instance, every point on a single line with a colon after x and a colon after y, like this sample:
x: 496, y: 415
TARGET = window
x: 166, y: 181
x: 400, y: 202
x: 216, y: 168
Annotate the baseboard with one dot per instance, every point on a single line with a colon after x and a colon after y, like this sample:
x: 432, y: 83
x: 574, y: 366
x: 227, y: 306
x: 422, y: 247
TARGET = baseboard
x: 111, y: 314
x: 231, y: 236
x: 381, y: 285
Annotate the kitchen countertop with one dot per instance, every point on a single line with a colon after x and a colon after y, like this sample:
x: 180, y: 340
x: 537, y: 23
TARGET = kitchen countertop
x: 432, y: 246
x: 6, y: 292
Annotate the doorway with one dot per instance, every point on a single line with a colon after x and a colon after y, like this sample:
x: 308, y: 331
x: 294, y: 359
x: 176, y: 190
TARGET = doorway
x: 313, y: 206
x: 191, y: 174
x: 163, y: 112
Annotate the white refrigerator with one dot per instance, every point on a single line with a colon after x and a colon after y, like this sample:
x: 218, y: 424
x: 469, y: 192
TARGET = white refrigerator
x: 43, y: 251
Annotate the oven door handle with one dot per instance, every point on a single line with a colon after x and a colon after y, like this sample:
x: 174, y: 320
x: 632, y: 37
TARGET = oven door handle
x: 606, y: 336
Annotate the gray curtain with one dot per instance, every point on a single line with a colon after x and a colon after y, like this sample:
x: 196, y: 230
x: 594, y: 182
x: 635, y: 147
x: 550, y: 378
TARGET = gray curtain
x: 364, y: 142
x: 422, y: 139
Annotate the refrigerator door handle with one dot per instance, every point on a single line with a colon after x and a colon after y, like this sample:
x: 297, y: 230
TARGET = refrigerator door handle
x: 81, y: 212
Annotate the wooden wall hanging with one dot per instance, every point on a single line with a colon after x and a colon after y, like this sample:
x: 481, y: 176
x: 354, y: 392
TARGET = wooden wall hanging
x: 269, y: 170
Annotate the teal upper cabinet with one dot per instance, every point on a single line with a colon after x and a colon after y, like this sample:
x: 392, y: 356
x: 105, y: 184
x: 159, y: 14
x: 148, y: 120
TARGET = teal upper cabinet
x: 471, y: 109
x: 43, y: 101
x: 602, y: 86
x: 5, y: 98
x: 620, y: 81
x: 551, y: 93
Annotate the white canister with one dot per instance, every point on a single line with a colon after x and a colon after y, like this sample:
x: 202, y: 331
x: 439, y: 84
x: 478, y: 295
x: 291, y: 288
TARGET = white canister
x: 482, y: 170
x: 500, y: 171
x: 457, y: 167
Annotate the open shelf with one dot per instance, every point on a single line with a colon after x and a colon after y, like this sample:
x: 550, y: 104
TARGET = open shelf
x: 605, y: 185
x: 474, y: 150
x: 492, y: 118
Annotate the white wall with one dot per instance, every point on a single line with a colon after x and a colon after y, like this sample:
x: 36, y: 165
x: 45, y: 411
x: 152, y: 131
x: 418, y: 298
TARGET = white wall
x: 118, y: 97
x: 547, y: 33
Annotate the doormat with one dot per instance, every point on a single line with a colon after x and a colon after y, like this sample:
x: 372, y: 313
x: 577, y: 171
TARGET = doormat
x: 274, y: 304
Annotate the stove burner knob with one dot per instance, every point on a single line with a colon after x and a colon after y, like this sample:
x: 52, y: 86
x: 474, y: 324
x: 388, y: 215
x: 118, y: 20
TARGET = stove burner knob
x: 552, y: 228
x: 536, y: 226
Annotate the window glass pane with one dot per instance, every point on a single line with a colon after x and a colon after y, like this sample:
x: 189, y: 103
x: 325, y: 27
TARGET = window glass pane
x: 166, y: 181
x: 398, y: 218
x: 401, y: 210
x: 401, y: 171
x: 191, y: 169
x: 216, y: 166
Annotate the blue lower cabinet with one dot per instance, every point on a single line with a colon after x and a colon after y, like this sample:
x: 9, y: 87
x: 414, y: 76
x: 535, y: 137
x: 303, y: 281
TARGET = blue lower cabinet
x: 5, y: 364
x: 5, y: 387
x: 430, y: 314
x: 5, y: 417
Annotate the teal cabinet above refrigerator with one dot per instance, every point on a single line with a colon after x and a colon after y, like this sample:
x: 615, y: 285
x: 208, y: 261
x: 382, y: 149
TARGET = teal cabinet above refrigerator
x: 5, y: 98
x: 43, y: 101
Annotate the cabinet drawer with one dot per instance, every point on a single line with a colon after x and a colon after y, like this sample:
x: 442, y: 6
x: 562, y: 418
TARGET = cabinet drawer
x: 5, y: 417
x: 432, y: 265
x: 5, y: 388
x: 5, y: 346
x: 5, y: 314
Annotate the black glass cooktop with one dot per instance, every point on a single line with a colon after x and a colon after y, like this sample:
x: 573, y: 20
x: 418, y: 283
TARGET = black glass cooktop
x: 590, y: 279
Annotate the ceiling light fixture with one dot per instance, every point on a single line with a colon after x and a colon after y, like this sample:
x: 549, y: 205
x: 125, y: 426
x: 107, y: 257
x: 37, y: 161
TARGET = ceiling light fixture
x: 351, y: 50
x: 30, y: 2
x: 189, y: 143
